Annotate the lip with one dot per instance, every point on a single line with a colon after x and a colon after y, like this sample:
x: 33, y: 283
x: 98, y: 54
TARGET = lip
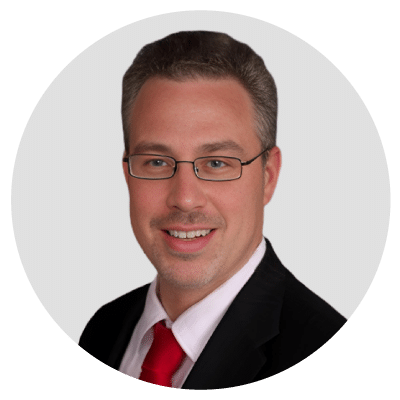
x: 187, y: 228
x: 187, y: 246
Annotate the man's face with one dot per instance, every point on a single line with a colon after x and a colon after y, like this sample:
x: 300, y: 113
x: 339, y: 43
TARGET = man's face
x: 187, y: 120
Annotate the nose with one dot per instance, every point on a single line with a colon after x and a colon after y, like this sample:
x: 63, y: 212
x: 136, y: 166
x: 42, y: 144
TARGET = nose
x: 186, y: 191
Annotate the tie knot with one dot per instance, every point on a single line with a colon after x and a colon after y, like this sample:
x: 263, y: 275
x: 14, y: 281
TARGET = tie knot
x: 164, y: 357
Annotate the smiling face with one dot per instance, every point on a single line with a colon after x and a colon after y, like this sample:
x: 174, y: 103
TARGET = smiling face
x: 187, y: 120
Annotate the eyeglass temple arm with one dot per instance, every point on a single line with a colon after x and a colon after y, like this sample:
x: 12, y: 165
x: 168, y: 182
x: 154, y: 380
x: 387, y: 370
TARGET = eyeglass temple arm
x: 250, y: 161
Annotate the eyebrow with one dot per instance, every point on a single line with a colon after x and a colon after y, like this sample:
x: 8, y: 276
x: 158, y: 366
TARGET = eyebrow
x: 221, y: 146
x: 146, y: 147
x: 206, y: 148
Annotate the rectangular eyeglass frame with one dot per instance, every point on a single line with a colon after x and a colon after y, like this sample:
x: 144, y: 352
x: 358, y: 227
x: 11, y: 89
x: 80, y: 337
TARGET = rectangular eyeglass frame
x: 242, y: 164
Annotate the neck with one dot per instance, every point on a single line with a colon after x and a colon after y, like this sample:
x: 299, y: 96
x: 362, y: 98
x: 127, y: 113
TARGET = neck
x: 176, y: 300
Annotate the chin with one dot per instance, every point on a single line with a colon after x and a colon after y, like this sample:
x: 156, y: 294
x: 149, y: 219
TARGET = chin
x: 186, y: 276
x: 184, y: 283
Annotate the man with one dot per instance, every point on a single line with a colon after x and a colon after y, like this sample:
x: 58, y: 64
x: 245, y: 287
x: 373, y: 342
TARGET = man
x: 199, y: 115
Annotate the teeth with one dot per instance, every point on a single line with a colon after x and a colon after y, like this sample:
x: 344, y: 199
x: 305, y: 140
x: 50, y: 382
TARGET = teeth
x: 190, y: 234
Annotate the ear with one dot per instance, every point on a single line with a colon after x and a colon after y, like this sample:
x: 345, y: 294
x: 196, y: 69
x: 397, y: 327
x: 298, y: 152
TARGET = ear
x: 271, y: 173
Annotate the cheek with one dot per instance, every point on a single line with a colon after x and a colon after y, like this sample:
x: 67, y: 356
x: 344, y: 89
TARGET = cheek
x: 244, y: 205
x: 145, y: 201
x: 233, y: 203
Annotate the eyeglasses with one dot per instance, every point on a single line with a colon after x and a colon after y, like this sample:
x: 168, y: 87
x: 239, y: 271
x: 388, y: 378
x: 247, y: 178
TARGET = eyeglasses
x: 215, y: 168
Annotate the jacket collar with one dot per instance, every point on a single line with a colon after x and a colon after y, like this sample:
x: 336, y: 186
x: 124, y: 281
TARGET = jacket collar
x: 137, y: 300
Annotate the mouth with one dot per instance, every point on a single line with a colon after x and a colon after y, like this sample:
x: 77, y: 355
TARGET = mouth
x: 183, y: 242
x: 189, y: 235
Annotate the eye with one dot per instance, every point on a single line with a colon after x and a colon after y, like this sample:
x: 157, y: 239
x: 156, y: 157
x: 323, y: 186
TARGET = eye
x: 216, y: 164
x: 156, y: 162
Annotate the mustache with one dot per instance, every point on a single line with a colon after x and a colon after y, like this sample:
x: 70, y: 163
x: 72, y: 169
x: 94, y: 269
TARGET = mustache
x: 192, y: 218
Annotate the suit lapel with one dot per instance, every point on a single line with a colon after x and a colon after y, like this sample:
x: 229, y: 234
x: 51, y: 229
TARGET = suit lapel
x: 236, y: 351
x: 132, y: 318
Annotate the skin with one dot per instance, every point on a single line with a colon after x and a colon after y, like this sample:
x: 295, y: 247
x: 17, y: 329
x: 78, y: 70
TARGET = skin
x: 186, y: 120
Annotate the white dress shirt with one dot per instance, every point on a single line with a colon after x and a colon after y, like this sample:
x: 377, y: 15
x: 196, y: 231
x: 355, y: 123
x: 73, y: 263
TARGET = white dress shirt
x: 193, y: 328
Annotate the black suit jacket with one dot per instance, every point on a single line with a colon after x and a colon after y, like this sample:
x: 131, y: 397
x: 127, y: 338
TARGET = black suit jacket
x: 273, y: 323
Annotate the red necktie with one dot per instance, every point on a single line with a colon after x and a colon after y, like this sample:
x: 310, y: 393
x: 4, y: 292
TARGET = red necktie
x: 164, y: 357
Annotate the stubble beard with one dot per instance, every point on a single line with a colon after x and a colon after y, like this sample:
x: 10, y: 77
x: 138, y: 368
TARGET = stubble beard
x: 198, y: 273
x: 194, y: 275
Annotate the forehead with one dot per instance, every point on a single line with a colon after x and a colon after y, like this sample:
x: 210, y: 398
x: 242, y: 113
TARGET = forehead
x: 193, y: 114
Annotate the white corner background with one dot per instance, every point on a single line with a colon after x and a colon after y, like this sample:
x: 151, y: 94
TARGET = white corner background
x: 70, y: 204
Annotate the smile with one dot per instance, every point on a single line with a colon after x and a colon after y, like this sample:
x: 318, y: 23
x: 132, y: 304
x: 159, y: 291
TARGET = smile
x: 188, y: 241
x: 189, y: 234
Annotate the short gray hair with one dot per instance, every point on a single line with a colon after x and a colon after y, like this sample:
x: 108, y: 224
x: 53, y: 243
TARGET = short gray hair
x: 199, y: 54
